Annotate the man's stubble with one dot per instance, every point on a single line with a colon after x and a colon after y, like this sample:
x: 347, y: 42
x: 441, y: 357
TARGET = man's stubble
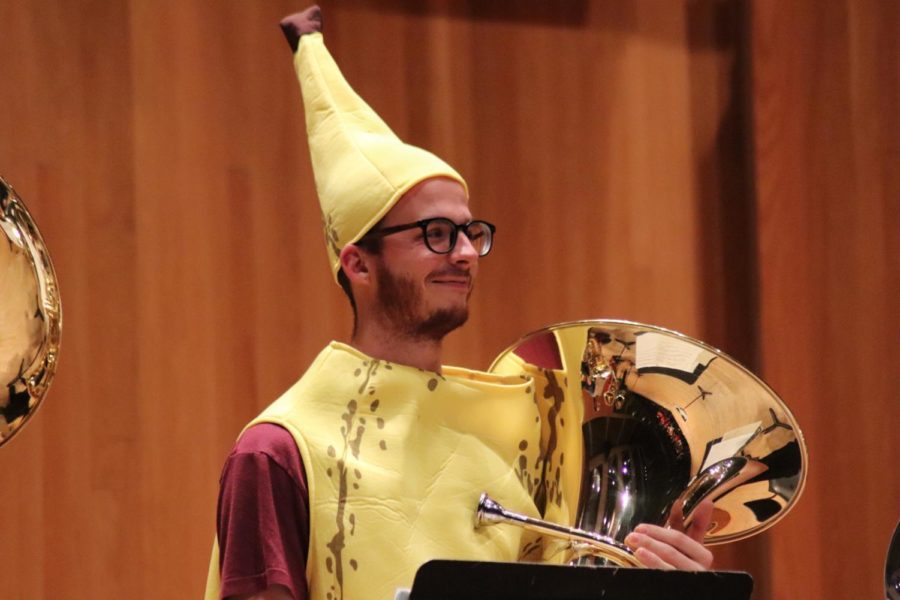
x: 400, y: 303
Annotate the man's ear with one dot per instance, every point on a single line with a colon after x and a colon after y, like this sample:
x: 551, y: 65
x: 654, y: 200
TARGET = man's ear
x: 355, y: 264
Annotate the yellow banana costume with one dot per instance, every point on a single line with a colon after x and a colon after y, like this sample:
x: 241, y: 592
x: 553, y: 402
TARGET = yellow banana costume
x: 396, y: 458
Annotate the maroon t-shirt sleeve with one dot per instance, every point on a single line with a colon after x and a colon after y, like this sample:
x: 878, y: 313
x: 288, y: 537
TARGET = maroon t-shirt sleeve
x: 263, y: 514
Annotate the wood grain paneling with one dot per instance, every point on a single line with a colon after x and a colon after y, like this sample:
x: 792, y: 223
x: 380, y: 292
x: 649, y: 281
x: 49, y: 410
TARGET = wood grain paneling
x: 703, y: 165
x: 825, y: 103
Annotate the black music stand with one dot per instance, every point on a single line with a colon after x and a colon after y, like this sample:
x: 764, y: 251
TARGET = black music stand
x: 465, y: 580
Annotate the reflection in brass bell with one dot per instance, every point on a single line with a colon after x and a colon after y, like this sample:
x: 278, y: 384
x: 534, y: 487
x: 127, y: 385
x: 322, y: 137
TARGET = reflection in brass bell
x: 30, y: 315
x: 641, y: 424
x: 892, y: 567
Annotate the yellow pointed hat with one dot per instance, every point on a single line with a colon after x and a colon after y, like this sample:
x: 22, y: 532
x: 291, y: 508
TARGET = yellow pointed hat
x: 361, y: 167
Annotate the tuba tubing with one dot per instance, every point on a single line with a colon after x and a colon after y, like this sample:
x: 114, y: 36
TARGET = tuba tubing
x: 583, y: 543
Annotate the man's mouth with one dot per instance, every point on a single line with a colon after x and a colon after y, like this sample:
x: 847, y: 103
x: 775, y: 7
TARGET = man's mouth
x: 458, y: 280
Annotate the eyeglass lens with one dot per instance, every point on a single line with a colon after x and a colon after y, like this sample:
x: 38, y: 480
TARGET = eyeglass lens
x: 441, y: 234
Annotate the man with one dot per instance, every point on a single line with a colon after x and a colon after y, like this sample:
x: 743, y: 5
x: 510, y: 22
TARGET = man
x: 372, y: 463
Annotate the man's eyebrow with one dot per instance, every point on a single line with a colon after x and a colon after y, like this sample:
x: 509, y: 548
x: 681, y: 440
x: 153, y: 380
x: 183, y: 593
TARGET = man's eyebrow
x: 467, y: 219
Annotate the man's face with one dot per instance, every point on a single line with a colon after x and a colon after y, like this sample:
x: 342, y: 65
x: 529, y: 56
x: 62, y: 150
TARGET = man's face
x: 420, y: 293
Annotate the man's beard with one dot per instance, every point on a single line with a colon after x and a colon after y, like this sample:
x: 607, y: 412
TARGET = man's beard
x: 400, y: 303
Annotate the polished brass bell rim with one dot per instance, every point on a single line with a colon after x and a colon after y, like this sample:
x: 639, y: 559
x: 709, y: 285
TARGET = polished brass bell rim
x: 30, y: 315
x: 725, y: 434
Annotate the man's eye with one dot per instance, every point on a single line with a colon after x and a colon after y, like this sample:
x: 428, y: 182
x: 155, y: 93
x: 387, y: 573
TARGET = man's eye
x: 436, y: 234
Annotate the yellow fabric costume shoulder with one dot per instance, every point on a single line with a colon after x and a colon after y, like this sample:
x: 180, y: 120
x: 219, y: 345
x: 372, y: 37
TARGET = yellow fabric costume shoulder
x: 396, y: 459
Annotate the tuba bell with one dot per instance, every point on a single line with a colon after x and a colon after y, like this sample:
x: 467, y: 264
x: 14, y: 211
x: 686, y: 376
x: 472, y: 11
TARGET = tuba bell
x: 639, y: 425
x: 30, y: 315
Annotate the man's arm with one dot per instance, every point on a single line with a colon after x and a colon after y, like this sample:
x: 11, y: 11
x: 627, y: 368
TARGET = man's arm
x: 262, y: 520
x: 666, y: 548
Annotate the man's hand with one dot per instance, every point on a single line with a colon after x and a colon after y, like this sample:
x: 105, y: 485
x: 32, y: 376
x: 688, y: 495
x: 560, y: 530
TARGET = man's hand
x: 666, y: 548
x: 298, y: 24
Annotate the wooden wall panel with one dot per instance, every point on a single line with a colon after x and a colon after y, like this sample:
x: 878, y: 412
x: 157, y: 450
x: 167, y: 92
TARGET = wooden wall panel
x: 66, y: 131
x: 161, y: 147
x: 826, y: 80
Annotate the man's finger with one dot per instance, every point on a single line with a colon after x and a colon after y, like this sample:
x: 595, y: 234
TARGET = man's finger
x: 652, y: 561
x: 700, y: 522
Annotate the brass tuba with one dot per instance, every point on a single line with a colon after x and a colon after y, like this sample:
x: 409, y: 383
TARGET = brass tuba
x: 30, y: 315
x: 640, y: 424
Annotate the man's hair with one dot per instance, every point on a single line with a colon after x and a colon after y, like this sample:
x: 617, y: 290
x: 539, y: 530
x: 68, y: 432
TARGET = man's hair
x: 372, y: 246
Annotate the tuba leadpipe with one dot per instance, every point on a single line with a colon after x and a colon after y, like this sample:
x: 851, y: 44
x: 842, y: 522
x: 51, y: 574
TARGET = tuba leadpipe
x: 583, y: 543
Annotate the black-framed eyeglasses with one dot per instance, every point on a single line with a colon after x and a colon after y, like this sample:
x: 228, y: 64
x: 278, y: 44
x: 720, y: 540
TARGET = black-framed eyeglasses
x: 440, y: 234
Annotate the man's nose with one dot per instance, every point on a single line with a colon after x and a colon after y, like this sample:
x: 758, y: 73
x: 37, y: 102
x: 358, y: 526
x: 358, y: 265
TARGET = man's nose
x: 464, y: 250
